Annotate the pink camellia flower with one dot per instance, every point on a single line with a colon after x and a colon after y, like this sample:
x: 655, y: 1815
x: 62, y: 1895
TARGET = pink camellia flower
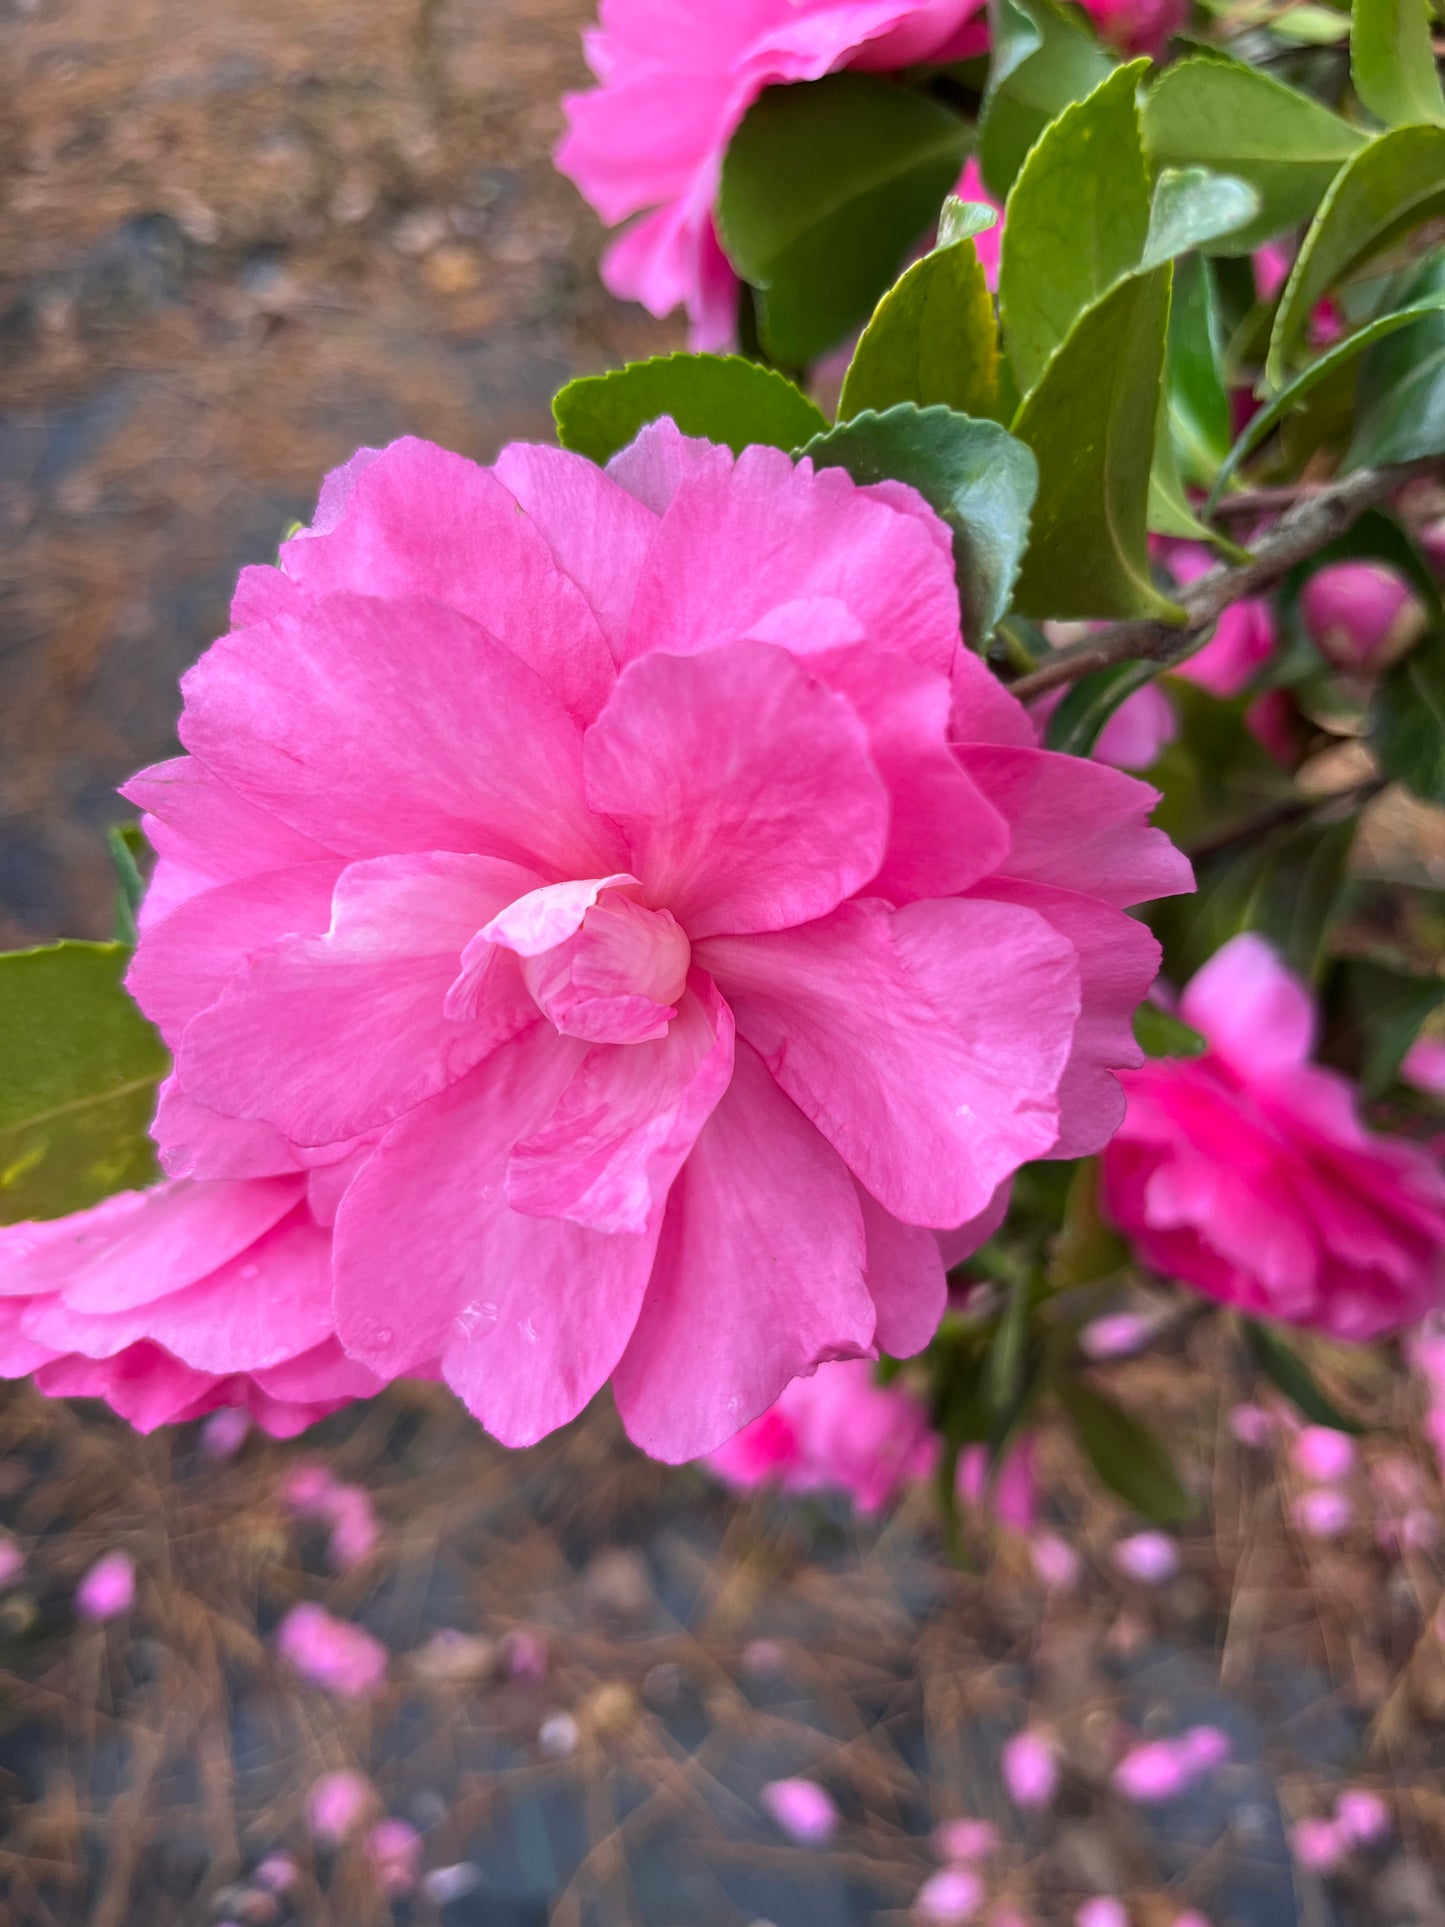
x: 675, y: 83
x: 1030, y: 1764
x: 952, y: 1894
x: 1244, y: 637
x: 1247, y: 1174
x: 180, y: 1300
x: 802, y: 1809
x: 836, y: 1431
x: 332, y: 1653
x: 108, y: 1589
x: 1359, y: 615
x: 638, y: 860
x: 337, y: 1804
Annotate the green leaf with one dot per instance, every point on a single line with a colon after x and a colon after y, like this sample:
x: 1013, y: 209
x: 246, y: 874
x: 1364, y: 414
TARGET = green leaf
x: 1392, y: 62
x: 1076, y: 221
x: 1386, y: 1011
x: 1409, y: 719
x: 1078, y: 722
x: 1391, y: 186
x: 975, y: 474
x: 81, y: 1069
x: 1198, y: 400
x: 1191, y: 207
x: 1091, y: 423
x: 1126, y: 1455
x: 1086, y: 1248
x: 721, y: 397
x: 1262, y: 425
x: 1284, y: 1368
x: 932, y: 339
x: 964, y: 220
x: 1160, y: 1035
x: 1400, y: 398
x: 128, y: 851
x: 825, y: 189
x: 1003, y: 1378
x: 1041, y: 61
x: 1236, y: 120
x: 1310, y: 26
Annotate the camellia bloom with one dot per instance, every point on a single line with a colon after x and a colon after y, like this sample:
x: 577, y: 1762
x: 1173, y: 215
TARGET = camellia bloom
x: 1360, y: 615
x: 176, y: 1301
x: 638, y: 861
x: 835, y: 1431
x: 675, y: 83
x: 1247, y: 1173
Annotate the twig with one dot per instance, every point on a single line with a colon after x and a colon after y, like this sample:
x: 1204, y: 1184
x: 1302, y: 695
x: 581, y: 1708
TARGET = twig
x: 1306, y: 528
x: 1267, y: 501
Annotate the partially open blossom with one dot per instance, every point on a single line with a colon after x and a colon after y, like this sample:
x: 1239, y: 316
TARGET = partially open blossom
x: 332, y: 1653
x: 684, y: 923
x: 674, y: 83
x: 1247, y: 1174
x: 952, y: 1894
x: 336, y: 1805
x: 108, y: 1589
x: 180, y: 1300
x: 1360, y: 615
x: 801, y: 1809
x: 1030, y: 1766
x: 837, y: 1431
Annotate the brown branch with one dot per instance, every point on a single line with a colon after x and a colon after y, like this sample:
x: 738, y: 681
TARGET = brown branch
x: 1306, y: 528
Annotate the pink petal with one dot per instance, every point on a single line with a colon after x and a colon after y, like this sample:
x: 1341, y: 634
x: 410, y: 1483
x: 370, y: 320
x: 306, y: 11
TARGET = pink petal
x: 527, y: 1314
x: 416, y: 522
x: 396, y: 725
x: 1254, y: 1012
x: 1078, y: 826
x: 983, y: 710
x: 196, y: 1142
x: 744, y: 787
x: 905, y: 1279
x: 609, y: 1152
x: 763, y: 1208
x: 328, y: 1036
x: 538, y: 920
x: 926, y: 1044
x: 654, y: 466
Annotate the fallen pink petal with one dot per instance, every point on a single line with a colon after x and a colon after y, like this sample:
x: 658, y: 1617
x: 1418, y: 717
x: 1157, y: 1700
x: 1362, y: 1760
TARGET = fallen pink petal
x: 108, y: 1588
x: 801, y: 1809
x: 331, y: 1653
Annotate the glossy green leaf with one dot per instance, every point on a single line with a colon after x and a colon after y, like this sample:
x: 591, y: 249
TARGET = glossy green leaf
x: 1076, y: 221
x: 1391, y: 186
x: 1159, y: 1034
x: 1127, y: 1456
x: 1262, y: 425
x: 1192, y: 207
x: 1400, y: 399
x: 128, y: 851
x: 1287, y: 1371
x: 1042, y: 59
x: 975, y: 474
x: 825, y: 190
x: 1091, y: 421
x: 81, y: 1067
x: 1386, y: 1010
x: 961, y: 220
x: 1409, y: 719
x: 932, y: 339
x: 1236, y: 120
x: 720, y: 397
x: 1086, y: 1248
x: 1198, y: 399
x: 1076, y: 725
x: 1310, y: 26
x: 1392, y: 61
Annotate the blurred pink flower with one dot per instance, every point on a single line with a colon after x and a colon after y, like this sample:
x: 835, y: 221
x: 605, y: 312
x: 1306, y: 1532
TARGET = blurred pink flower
x: 801, y: 1809
x: 173, y: 1302
x: 951, y: 1894
x: 1323, y: 1454
x: 1244, y: 636
x: 1324, y: 1512
x: 337, y: 1804
x: 1138, y: 732
x: 1205, y: 1747
x: 394, y: 1850
x: 1362, y: 1818
x: 1155, y: 1771
x: 108, y: 1589
x: 224, y: 1432
x: 1424, y: 1066
x: 525, y: 1654
x: 988, y: 245
x: 277, y: 1873
x: 1274, y: 721
x: 1010, y: 1491
x: 691, y: 918
x: 314, y: 1493
x: 1247, y: 1174
x: 1359, y: 615
x: 1102, y: 1911
x: 1252, y: 1425
x: 1030, y: 1769
x: 332, y: 1653
x: 1318, y: 1845
x: 1055, y: 1561
x: 964, y: 1840
x: 1149, y: 1557
x: 1116, y: 1335
x: 12, y: 1561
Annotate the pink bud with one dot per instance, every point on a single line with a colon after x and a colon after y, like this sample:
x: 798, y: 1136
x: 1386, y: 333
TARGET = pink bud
x: 1149, y: 1557
x: 1358, y: 614
x: 1102, y: 1911
x: 1252, y: 1425
x: 1318, y: 1845
x: 952, y: 1894
x: 958, y: 1840
x: 1321, y: 1453
x: 1116, y: 1336
x: 801, y: 1809
x: 1324, y: 1512
x: 1205, y: 1748
x: 1362, y: 1818
x: 12, y: 1562
x: 108, y: 1589
x: 1055, y: 1561
x: 1424, y: 1066
x: 224, y: 1433
x: 336, y: 1805
x: 1152, y: 1773
x: 394, y: 1850
x: 1030, y: 1769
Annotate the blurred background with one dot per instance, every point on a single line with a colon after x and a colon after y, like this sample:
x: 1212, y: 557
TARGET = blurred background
x: 236, y: 241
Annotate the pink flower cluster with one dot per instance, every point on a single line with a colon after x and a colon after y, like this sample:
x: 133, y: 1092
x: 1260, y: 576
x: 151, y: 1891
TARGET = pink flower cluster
x: 1247, y: 1174
x: 607, y: 925
x: 837, y: 1431
x: 675, y: 82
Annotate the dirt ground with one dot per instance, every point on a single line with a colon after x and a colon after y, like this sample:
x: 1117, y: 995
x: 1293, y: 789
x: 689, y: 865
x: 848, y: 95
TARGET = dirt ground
x: 236, y: 241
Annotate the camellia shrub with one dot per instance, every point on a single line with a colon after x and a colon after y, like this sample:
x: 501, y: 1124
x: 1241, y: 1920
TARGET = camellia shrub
x: 914, y: 817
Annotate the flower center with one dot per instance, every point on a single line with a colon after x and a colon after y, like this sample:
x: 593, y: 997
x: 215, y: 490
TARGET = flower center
x: 618, y: 978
